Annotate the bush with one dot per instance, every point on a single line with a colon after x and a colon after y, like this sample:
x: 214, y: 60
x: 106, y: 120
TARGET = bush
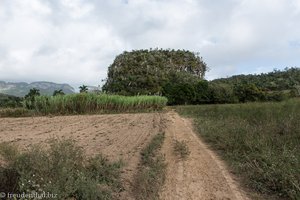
x: 248, y: 93
x: 181, y: 149
x: 276, y: 96
x: 61, y: 169
x: 221, y: 93
x: 184, y: 88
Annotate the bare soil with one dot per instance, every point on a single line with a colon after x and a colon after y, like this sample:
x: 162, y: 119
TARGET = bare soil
x: 117, y: 136
x: 201, y: 176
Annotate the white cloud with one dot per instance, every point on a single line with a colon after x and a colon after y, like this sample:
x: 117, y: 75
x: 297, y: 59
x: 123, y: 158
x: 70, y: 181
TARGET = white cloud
x: 74, y: 41
x: 76, y: 8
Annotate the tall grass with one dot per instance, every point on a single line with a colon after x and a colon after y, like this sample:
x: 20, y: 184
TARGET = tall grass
x: 95, y: 103
x: 260, y: 141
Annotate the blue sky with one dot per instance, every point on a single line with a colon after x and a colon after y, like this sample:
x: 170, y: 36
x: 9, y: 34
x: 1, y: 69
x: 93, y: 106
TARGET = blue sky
x: 74, y: 41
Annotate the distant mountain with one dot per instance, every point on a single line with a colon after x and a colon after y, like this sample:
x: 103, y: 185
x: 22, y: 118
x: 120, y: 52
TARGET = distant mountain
x: 20, y: 89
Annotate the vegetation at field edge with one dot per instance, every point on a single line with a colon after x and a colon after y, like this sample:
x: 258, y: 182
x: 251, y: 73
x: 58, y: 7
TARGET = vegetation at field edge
x: 260, y: 141
x: 94, y: 103
x: 84, y: 103
x: 62, y: 170
x: 151, y: 174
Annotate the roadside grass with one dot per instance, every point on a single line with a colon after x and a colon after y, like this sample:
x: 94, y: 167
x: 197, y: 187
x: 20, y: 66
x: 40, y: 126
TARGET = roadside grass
x: 260, y: 141
x: 181, y: 149
x: 151, y: 174
x: 60, y: 169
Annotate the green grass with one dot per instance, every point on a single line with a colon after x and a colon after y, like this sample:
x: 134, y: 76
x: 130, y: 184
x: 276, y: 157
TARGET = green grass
x: 151, y: 174
x: 260, y: 141
x: 94, y: 103
x: 61, y: 169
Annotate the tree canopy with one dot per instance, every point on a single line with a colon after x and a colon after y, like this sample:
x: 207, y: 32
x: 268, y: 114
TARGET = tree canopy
x: 147, y: 71
x: 277, y: 80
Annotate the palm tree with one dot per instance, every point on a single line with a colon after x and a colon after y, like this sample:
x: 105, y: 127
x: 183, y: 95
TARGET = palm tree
x: 58, y: 92
x: 83, y: 89
x: 32, y: 93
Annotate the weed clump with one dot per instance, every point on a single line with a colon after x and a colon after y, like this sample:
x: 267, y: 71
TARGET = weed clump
x: 61, y: 170
x: 181, y: 149
x: 151, y: 174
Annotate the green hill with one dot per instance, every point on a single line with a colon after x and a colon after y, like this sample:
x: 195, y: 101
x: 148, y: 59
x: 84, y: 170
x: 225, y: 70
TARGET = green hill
x: 277, y: 80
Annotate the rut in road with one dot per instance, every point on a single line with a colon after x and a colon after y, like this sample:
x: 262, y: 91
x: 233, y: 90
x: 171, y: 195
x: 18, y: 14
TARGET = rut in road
x: 201, y: 176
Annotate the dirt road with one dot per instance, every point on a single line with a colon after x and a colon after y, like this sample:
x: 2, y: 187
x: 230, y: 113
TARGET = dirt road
x: 202, y: 176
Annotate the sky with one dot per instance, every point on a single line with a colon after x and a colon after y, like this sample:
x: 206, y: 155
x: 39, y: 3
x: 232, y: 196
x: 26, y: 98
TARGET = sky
x: 74, y: 41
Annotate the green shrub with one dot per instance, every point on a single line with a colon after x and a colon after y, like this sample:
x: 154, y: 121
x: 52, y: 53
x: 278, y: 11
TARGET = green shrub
x: 221, y: 93
x: 248, y: 93
x: 184, y: 88
x: 277, y: 96
x: 61, y: 169
x: 181, y: 149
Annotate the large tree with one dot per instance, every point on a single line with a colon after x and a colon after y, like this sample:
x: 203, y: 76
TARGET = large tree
x: 147, y: 71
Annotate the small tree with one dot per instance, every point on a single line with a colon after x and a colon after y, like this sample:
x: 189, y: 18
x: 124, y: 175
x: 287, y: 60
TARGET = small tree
x: 32, y: 93
x: 58, y: 92
x: 83, y: 89
x: 30, y: 97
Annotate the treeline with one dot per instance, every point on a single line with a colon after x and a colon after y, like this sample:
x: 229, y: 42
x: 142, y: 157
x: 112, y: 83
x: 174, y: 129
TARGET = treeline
x: 179, y: 76
x: 287, y: 79
x: 273, y: 86
x: 10, y: 101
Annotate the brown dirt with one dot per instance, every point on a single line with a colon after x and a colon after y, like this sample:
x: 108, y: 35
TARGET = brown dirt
x: 202, y: 175
x: 118, y: 136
